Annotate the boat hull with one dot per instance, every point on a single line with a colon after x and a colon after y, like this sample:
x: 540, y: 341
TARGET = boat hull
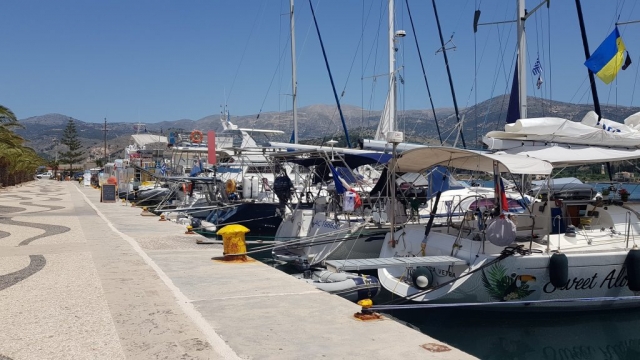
x: 596, y: 279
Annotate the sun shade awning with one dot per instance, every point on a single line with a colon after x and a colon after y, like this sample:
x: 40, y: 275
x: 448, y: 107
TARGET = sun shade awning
x: 144, y: 139
x: 574, y: 155
x: 418, y: 160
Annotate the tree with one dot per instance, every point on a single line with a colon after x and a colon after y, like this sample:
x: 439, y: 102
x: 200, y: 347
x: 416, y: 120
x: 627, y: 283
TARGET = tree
x: 17, y: 162
x: 8, y: 119
x: 70, y: 138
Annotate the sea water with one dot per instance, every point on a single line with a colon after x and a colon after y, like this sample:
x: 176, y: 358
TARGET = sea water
x: 569, y: 335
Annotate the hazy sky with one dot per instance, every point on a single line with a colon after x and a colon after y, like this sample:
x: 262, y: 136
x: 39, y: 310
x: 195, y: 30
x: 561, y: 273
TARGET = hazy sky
x: 155, y: 60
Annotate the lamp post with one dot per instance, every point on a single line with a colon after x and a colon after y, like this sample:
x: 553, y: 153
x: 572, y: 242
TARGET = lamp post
x: 55, y: 164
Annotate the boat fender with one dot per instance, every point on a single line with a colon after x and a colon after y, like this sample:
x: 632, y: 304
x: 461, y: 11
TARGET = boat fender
x: 559, y: 269
x: 196, y: 223
x: 632, y: 263
x: 422, y: 278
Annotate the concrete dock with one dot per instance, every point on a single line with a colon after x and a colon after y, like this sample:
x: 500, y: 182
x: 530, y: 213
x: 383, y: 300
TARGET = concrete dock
x: 81, y: 279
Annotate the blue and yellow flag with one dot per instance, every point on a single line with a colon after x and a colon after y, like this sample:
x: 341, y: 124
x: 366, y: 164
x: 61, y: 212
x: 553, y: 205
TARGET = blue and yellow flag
x: 606, y: 61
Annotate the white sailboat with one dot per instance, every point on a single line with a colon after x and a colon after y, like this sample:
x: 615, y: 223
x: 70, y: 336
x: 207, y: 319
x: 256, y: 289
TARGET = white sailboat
x: 570, y: 253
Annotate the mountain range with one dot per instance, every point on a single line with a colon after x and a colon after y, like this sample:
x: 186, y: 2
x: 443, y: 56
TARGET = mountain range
x: 314, y: 122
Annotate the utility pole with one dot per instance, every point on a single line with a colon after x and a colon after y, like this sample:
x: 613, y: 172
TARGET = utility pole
x: 105, y: 140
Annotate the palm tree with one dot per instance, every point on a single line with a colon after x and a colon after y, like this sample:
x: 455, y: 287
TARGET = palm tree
x: 18, y: 163
x: 8, y: 119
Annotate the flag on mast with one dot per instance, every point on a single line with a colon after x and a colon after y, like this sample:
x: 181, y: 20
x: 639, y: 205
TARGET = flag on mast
x: 606, y: 61
x: 537, y: 68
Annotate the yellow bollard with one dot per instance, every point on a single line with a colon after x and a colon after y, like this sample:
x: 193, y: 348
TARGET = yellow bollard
x: 146, y: 212
x: 233, y: 242
x: 190, y: 230
x: 162, y: 218
x: 366, y: 314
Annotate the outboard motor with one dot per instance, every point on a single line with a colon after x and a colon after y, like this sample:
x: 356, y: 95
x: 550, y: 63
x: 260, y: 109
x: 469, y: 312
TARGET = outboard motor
x: 282, y: 188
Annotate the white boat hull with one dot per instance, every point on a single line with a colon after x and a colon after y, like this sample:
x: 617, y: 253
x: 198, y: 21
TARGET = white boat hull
x: 596, y: 279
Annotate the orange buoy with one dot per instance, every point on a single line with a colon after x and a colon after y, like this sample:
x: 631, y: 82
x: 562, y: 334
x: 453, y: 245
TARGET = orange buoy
x: 196, y: 136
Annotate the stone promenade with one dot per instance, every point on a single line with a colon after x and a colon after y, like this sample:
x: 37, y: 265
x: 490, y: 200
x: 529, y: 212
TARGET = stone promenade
x: 80, y: 279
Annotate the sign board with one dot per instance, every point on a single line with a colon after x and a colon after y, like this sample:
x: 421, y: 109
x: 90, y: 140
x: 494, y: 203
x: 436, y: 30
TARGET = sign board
x: 87, y: 178
x: 108, y: 193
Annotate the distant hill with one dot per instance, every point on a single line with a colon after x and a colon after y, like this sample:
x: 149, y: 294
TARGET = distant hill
x: 315, y: 122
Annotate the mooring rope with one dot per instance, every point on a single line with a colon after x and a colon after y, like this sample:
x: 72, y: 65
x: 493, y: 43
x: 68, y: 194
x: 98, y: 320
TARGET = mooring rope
x: 503, y: 303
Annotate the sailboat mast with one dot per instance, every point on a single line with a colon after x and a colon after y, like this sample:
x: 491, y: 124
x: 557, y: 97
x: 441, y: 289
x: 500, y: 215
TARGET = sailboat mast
x: 587, y: 54
x: 294, y: 82
x: 392, y: 67
x: 446, y: 63
x: 522, y: 60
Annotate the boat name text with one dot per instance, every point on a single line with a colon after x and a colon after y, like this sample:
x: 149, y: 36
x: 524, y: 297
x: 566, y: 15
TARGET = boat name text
x: 610, y: 281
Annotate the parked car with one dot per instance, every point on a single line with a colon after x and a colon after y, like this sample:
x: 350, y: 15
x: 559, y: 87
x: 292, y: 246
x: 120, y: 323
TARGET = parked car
x: 78, y: 175
x: 44, y: 175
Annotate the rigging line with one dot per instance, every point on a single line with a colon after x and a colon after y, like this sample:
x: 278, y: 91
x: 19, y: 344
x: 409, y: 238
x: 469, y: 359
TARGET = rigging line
x: 475, y: 81
x: 462, y: 13
x: 306, y: 36
x: 244, y: 51
x: 478, y: 66
x: 362, y: 27
x: 538, y: 36
x: 344, y: 88
x: 549, y: 45
x: 500, y: 55
x: 424, y: 73
x: 374, y: 49
x: 446, y: 62
x: 500, y: 66
x: 634, y: 82
x: 373, y: 53
x: 284, y: 51
x: 362, y: 111
x: 360, y: 43
x: 579, y: 88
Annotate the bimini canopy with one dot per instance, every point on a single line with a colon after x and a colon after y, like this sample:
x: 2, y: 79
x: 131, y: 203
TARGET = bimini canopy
x: 144, y: 139
x: 418, y: 160
x: 574, y: 155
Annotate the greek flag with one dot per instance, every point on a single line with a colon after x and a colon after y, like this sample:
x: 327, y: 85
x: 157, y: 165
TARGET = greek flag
x: 537, y: 67
x: 163, y: 168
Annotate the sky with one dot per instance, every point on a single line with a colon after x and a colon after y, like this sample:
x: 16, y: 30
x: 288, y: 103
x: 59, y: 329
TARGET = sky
x: 156, y: 60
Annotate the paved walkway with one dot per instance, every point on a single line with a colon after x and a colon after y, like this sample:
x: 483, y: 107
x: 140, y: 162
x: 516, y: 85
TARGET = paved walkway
x: 80, y: 279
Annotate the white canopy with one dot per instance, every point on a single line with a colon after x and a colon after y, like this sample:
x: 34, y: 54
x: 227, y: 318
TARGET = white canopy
x: 573, y: 155
x: 144, y: 139
x: 418, y: 160
x: 590, y: 131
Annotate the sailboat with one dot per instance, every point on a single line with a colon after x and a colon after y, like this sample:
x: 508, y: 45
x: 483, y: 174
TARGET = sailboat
x: 564, y: 253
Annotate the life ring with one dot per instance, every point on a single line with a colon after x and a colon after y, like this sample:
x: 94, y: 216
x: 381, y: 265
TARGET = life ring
x: 196, y: 136
x: 230, y: 186
x: 186, y: 187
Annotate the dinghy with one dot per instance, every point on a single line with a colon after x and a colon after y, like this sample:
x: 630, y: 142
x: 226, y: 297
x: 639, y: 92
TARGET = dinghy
x: 350, y: 286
